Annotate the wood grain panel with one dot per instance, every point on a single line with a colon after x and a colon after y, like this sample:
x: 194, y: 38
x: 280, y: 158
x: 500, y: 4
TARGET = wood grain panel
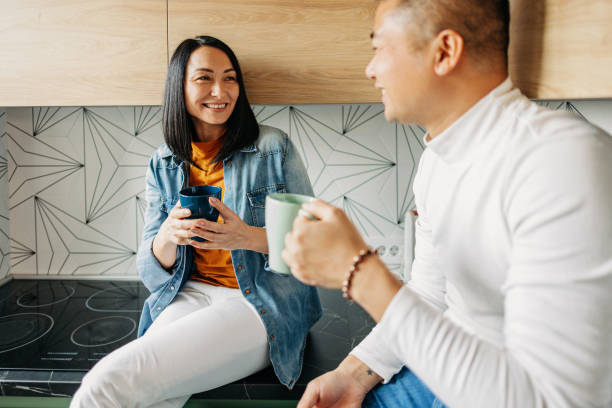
x: 291, y: 51
x: 560, y: 49
x: 75, y: 52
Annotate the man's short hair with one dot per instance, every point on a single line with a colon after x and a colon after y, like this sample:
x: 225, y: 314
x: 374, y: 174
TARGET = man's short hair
x: 483, y: 24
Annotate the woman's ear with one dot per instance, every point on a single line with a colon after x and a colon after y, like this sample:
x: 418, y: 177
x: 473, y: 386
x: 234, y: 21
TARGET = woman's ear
x: 448, y: 51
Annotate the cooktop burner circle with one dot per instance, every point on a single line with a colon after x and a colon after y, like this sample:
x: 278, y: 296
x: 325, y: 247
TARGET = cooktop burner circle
x: 103, y: 331
x: 46, y: 294
x: 20, y: 329
x: 122, y: 299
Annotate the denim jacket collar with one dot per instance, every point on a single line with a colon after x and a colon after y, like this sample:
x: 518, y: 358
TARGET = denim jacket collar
x: 165, y: 151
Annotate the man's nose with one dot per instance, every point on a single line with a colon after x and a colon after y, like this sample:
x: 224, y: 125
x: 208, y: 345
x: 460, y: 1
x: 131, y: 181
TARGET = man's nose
x: 369, y: 70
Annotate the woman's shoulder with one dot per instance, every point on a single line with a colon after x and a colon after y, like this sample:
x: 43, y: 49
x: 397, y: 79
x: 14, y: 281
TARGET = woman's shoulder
x: 162, y: 152
x: 271, y: 139
x: 163, y: 158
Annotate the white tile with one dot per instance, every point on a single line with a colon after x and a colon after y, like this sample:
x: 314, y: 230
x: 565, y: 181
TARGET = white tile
x: 88, y: 219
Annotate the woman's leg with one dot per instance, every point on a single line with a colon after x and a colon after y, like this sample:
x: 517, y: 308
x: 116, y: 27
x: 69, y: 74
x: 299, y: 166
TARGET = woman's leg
x: 219, y: 342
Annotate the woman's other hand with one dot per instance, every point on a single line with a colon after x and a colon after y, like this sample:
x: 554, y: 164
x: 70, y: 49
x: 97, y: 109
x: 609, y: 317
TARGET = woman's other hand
x: 233, y: 233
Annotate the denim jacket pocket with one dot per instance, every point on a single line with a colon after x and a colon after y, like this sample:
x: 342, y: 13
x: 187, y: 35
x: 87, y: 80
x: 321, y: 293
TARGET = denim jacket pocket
x: 257, y: 202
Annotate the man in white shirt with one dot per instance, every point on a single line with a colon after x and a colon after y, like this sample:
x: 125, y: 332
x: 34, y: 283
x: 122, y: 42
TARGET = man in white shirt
x: 510, y: 301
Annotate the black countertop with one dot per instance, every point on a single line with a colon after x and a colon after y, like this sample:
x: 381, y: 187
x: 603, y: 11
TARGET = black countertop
x: 343, y: 325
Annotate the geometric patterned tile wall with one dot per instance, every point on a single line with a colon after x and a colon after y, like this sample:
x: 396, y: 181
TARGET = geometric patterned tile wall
x: 74, y: 176
x: 4, y: 211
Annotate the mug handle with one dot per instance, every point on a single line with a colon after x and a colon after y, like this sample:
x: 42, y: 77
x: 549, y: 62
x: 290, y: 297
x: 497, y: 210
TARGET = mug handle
x: 308, y: 215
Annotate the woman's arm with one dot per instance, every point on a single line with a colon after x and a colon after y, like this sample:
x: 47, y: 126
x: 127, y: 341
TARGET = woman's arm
x: 234, y: 233
x: 150, y: 270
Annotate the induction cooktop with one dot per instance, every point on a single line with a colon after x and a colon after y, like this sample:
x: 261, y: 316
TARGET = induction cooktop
x: 66, y: 324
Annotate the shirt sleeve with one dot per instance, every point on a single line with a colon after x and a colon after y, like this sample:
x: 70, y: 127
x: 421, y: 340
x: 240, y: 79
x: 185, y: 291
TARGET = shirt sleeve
x: 152, y: 274
x: 427, y: 281
x: 557, y: 305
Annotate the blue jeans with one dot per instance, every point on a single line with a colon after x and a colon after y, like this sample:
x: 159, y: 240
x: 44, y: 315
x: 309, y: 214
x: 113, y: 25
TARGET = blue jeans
x: 405, y: 390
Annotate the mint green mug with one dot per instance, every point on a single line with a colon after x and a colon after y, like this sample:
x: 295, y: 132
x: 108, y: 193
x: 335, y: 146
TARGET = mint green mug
x: 281, y: 210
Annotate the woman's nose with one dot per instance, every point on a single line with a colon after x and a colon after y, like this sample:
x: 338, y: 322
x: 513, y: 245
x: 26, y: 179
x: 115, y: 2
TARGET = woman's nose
x: 216, y: 89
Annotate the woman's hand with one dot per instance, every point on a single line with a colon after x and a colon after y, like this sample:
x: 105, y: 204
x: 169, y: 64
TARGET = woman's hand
x: 321, y: 252
x: 233, y: 233
x: 175, y: 230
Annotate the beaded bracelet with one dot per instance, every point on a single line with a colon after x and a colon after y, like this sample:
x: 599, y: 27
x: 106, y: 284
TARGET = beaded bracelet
x: 346, y: 285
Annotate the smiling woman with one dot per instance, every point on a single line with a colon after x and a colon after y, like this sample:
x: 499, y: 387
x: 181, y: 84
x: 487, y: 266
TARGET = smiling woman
x: 211, y: 89
x: 216, y: 312
x: 203, y: 74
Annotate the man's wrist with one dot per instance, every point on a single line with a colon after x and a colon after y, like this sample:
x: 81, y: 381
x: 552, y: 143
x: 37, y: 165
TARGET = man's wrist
x: 374, y: 286
x: 363, y: 375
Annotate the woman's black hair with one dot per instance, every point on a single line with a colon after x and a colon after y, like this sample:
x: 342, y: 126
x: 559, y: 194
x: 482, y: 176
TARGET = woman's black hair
x: 242, y: 128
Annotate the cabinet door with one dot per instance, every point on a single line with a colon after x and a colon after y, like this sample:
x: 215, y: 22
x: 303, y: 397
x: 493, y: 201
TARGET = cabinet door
x: 82, y: 52
x: 291, y: 51
x: 560, y: 49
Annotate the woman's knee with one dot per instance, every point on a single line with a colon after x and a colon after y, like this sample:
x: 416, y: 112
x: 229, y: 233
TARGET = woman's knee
x: 112, y: 382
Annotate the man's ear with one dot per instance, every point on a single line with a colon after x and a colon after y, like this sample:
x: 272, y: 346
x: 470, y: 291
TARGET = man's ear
x: 448, y: 51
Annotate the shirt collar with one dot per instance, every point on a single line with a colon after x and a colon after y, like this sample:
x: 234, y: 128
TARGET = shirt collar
x: 165, y: 152
x: 467, y: 135
x: 249, y: 149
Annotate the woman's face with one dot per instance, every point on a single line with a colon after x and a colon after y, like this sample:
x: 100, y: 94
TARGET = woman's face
x: 211, y: 86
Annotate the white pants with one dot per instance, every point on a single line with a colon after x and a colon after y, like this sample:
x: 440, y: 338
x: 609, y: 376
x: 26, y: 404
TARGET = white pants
x: 207, y: 337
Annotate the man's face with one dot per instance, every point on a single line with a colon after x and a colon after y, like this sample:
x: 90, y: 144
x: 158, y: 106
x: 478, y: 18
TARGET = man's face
x: 398, y: 66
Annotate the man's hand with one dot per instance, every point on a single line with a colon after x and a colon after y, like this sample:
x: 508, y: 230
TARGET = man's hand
x: 345, y: 387
x: 321, y: 252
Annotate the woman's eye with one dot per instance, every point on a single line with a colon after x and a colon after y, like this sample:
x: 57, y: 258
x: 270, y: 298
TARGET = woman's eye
x: 230, y: 78
x: 203, y: 78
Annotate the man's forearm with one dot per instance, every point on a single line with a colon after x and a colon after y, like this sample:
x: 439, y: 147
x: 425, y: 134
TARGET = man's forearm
x: 374, y: 286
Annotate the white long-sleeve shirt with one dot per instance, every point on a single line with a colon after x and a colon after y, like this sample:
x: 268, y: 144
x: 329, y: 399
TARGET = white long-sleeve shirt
x: 510, y: 301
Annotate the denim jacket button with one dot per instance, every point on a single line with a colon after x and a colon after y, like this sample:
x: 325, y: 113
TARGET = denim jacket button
x: 262, y: 311
x: 247, y: 291
x: 239, y: 266
x: 158, y: 307
x: 171, y: 287
x: 271, y: 337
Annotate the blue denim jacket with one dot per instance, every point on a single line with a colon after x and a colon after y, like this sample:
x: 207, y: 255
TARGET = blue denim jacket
x: 287, y: 307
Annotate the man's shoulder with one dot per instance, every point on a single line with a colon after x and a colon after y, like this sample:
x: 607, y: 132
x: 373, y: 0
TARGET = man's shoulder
x: 557, y: 147
x: 537, y: 124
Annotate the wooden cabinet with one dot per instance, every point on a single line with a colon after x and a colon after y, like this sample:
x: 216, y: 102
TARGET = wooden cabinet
x: 75, y: 52
x: 115, y: 52
x: 560, y: 49
x: 291, y: 51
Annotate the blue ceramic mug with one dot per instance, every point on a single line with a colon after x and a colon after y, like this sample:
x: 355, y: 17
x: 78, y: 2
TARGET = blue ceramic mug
x: 195, y: 198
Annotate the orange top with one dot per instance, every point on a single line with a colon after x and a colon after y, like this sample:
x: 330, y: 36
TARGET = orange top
x: 212, y: 266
